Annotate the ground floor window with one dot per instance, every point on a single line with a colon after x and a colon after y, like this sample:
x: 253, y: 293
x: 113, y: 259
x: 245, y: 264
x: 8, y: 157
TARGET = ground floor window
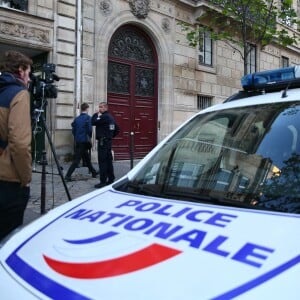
x: 203, y: 101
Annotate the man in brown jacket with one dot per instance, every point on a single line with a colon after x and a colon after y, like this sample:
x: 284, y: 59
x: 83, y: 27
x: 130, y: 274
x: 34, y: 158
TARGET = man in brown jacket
x: 15, y: 140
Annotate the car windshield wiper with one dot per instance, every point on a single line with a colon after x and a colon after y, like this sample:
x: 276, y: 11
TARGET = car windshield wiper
x: 139, y: 188
x: 205, y: 198
x: 196, y: 198
x: 145, y: 189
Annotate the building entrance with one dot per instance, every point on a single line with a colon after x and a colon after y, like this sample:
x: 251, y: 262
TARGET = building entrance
x: 132, y: 91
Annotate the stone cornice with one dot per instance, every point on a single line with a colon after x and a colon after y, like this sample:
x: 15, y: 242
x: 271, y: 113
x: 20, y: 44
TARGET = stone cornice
x: 15, y: 26
x: 25, y: 32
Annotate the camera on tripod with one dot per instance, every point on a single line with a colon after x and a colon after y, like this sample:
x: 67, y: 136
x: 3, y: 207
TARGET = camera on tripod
x: 42, y: 86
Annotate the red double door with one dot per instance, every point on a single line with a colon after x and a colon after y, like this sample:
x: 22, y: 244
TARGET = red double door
x: 132, y: 92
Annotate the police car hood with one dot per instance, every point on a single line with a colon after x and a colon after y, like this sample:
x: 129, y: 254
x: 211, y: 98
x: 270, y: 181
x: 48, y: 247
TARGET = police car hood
x: 112, y: 245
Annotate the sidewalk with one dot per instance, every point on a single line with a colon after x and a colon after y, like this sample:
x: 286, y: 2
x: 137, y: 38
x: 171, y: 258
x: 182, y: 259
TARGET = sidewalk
x: 56, y: 194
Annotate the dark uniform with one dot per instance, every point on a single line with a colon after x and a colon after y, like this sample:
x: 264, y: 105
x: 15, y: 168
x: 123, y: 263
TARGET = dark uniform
x: 106, y: 129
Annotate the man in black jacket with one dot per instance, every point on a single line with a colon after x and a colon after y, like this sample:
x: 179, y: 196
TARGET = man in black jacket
x: 106, y: 129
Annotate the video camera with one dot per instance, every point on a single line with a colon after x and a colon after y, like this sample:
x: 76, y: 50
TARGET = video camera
x: 42, y: 85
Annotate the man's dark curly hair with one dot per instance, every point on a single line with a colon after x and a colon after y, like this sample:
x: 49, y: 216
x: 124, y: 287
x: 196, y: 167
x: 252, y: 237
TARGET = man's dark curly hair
x: 13, y: 61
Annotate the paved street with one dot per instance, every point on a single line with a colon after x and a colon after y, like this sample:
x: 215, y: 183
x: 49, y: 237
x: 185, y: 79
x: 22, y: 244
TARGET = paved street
x: 56, y: 194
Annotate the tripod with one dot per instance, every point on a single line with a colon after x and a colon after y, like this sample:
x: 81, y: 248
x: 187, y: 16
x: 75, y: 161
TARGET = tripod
x: 38, y: 115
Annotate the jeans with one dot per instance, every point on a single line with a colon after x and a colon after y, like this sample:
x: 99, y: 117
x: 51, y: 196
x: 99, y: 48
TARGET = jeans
x: 13, y: 202
x: 81, y: 152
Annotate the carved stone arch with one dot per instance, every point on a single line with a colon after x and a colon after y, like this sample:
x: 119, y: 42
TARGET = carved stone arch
x: 163, y: 46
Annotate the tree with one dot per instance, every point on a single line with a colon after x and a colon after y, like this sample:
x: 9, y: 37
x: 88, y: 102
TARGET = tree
x: 242, y: 23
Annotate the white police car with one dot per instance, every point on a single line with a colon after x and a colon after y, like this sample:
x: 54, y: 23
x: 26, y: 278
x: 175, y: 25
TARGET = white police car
x: 213, y: 212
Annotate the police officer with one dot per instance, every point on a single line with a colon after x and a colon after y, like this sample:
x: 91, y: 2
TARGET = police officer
x: 106, y: 129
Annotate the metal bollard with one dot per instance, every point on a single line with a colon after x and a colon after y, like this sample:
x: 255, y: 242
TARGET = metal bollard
x: 131, y: 149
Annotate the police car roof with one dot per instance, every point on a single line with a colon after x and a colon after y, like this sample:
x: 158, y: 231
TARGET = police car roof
x: 264, y: 82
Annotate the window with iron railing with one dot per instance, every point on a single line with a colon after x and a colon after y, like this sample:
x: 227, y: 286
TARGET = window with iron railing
x: 203, y: 101
x: 15, y: 4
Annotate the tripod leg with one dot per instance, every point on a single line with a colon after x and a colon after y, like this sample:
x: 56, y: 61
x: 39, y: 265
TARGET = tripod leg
x: 55, y: 158
x: 43, y: 183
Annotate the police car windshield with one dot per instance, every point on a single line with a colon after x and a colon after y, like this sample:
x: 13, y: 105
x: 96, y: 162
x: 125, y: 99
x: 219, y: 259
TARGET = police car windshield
x: 248, y: 157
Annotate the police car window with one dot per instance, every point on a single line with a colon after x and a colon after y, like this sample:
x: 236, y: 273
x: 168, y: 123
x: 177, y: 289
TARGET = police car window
x: 283, y: 137
x: 247, y: 157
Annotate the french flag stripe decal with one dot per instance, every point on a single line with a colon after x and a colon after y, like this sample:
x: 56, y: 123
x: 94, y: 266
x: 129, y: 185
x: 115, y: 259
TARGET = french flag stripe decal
x: 141, y: 259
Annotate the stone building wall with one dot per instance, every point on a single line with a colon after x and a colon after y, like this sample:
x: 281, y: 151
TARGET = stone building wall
x: 77, y: 42
x: 181, y: 79
x: 64, y: 56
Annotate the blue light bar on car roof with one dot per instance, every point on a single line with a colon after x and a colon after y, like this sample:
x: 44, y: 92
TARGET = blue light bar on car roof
x: 271, y: 80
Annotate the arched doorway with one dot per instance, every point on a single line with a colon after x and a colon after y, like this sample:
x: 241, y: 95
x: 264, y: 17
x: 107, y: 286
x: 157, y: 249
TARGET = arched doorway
x: 132, y: 91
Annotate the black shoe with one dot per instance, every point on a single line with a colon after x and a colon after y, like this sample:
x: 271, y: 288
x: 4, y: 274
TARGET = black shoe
x: 111, y: 180
x: 94, y: 174
x: 68, y: 178
x: 100, y: 185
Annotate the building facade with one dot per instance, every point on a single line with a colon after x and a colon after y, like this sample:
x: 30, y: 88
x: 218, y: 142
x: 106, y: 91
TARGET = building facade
x: 132, y: 54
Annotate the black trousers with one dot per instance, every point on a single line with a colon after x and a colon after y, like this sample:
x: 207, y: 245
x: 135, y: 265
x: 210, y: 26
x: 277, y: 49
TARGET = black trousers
x: 13, y: 202
x: 81, y: 152
x: 105, y: 161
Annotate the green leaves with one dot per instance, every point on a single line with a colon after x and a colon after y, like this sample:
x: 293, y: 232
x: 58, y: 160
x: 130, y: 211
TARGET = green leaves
x: 239, y: 22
